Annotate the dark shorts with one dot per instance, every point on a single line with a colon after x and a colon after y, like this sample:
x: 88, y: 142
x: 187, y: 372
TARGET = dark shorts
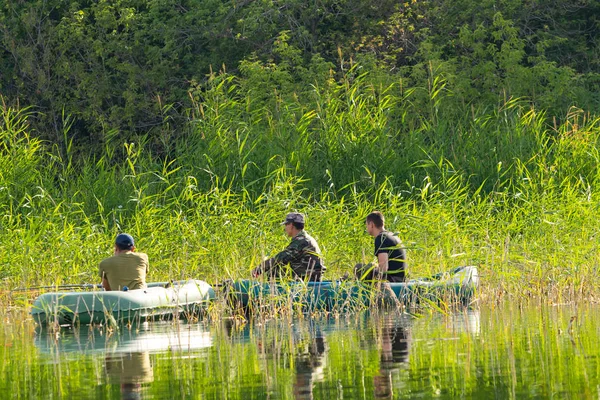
x: 314, y: 276
x: 398, y: 277
x: 365, y: 272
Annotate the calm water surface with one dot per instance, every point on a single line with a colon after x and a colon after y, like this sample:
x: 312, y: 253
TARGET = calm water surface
x: 530, y: 352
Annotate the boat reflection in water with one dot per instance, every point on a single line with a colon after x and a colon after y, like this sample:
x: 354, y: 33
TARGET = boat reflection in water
x: 466, y: 321
x: 127, y: 352
x: 151, y: 337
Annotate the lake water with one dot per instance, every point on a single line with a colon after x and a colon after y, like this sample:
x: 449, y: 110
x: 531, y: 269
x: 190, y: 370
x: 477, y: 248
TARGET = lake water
x: 506, y: 352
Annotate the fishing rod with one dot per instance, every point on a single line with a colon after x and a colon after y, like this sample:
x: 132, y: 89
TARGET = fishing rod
x: 80, y: 286
x: 77, y: 286
x: 99, y: 286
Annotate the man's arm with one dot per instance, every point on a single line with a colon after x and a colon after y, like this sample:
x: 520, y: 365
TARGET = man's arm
x: 105, y: 284
x: 264, y: 266
x: 289, y: 254
x: 382, y: 259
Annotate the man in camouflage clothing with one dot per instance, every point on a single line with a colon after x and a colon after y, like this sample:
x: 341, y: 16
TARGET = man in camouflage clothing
x: 302, y: 255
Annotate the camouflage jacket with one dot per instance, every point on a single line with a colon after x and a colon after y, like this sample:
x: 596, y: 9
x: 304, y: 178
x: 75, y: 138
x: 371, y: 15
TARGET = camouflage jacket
x: 303, y: 256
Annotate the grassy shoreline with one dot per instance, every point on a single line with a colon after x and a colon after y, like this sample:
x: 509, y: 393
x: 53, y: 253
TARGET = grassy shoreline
x: 545, y: 251
x: 506, y: 192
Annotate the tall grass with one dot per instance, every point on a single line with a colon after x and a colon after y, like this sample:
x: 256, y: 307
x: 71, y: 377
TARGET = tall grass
x: 508, y: 189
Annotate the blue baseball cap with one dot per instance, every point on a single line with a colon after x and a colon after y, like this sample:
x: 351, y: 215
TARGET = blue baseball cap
x: 124, y: 240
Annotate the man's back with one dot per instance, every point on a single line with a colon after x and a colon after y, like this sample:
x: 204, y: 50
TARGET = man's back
x: 387, y: 242
x: 125, y: 269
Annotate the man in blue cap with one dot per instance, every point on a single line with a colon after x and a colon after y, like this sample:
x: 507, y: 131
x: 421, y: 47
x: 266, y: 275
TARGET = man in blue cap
x: 301, y: 259
x: 126, y: 268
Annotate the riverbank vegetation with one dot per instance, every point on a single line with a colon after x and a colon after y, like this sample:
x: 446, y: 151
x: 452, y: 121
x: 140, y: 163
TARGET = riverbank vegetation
x: 477, y: 137
x: 531, y: 234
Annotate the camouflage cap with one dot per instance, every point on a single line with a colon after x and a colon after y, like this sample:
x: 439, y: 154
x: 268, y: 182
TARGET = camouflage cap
x: 293, y: 217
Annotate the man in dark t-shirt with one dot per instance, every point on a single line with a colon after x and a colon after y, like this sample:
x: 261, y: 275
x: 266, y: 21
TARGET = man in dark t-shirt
x: 389, y: 251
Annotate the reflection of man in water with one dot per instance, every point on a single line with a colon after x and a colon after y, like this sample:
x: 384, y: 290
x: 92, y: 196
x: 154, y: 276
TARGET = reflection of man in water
x: 395, y: 346
x: 310, y: 361
x: 308, y: 346
x: 130, y: 370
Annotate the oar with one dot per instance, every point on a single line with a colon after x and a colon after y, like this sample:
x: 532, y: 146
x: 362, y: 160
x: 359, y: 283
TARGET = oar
x: 94, y: 286
x: 79, y: 286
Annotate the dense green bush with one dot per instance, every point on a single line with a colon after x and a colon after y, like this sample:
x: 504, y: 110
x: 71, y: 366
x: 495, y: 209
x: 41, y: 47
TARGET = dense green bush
x: 127, y: 65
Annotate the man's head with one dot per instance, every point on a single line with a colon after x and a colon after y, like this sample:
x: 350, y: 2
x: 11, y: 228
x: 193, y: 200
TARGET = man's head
x: 294, y: 223
x: 124, y: 242
x: 375, y: 223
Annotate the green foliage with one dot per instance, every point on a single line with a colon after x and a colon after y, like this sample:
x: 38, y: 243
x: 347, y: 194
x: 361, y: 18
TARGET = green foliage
x: 201, y: 120
x: 527, y: 213
x: 111, y: 63
x: 491, y: 49
x: 127, y: 65
x: 20, y: 161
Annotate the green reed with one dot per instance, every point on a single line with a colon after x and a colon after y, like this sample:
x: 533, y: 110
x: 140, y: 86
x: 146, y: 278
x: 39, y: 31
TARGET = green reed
x: 507, y: 189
